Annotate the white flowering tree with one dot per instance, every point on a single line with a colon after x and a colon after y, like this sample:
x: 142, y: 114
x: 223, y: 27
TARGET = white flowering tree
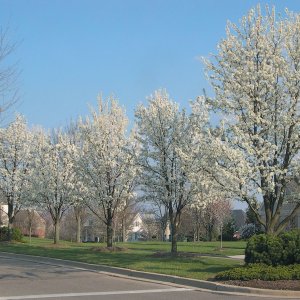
x: 53, y: 178
x: 15, y: 141
x: 106, y: 163
x: 255, y: 76
x: 80, y: 189
x: 169, y: 156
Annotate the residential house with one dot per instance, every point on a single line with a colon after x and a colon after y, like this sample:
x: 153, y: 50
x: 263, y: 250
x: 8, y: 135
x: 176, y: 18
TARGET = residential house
x: 30, y: 220
x: 239, y: 217
x: 137, y: 230
x: 3, y: 215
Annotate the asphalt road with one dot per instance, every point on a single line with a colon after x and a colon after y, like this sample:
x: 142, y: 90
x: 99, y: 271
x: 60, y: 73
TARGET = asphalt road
x: 25, y: 279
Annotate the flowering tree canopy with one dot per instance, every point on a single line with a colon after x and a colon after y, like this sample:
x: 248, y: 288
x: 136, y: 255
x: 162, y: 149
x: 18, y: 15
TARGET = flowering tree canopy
x: 169, y: 156
x: 53, y: 178
x: 255, y: 76
x: 15, y: 141
x: 106, y: 162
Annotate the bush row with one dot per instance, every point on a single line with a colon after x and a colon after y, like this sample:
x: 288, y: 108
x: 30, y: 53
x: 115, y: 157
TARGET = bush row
x: 274, y: 250
x: 15, y: 234
x: 261, y: 272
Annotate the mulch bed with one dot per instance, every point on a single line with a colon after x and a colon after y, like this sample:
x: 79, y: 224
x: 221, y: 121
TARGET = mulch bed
x: 109, y: 249
x: 165, y: 254
x: 293, y: 285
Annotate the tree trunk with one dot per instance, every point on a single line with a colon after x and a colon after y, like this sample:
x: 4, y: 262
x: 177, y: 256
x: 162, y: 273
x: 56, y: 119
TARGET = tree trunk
x: 174, y: 235
x: 56, y: 232
x: 221, y: 236
x: 30, y: 235
x: 209, y: 233
x: 78, y: 230
x: 9, y: 226
x: 109, y: 241
x: 11, y: 218
x: 123, y: 230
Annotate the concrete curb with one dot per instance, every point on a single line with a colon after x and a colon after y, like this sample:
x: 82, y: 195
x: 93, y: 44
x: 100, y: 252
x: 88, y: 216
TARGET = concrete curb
x: 158, y: 278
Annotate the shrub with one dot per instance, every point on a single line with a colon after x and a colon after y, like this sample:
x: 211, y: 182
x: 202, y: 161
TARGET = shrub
x: 291, y: 247
x: 274, y: 250
x: 261, y: 272
x: 15, y: 233
x: 266, y: 249
x: 228, y: 231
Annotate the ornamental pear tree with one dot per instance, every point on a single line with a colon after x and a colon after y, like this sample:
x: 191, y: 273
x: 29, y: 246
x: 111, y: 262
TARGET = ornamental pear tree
x: 15, y: 156
x: 80, y: 191
x: 255, y: 76
x: 106, y: 162
x: 169, y: 156
x: 53, y: 178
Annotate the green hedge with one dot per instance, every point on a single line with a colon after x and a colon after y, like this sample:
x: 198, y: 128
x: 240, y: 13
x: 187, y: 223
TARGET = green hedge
x: 274, y: 250
x: 15, y: 233
x: 261, y: 272
x: 291, y: 247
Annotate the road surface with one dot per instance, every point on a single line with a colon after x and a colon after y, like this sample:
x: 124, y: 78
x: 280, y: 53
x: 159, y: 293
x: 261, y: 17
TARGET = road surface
x: 22, y: 278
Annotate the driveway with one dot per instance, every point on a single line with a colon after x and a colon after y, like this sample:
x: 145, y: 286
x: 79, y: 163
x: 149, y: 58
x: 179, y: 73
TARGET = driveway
x: 23, y: 278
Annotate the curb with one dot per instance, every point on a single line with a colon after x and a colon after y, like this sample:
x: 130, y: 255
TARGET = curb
x: 158, y: 278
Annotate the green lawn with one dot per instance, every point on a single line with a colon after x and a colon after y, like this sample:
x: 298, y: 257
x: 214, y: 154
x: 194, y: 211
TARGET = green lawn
x: 139, y: 256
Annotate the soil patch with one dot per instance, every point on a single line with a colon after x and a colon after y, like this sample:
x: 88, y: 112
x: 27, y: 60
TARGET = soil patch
x: 293, y: 285
x: 164, y: 254
x: 109, y: 249
x: 55, y: 246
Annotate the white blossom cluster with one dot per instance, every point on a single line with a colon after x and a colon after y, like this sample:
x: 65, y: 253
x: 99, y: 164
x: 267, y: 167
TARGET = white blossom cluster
x: 256, y: 79
x: 172, y: 157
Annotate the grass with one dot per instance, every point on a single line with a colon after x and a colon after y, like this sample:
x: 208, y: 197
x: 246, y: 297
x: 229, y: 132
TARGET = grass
x: 139, y: 256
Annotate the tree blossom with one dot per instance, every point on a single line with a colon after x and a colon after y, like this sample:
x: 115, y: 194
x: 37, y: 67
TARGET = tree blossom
x: 15, y: 155
x: 255, y: 76
x: 169, y: 156
x: 53, y: 179
x: 106, y: 163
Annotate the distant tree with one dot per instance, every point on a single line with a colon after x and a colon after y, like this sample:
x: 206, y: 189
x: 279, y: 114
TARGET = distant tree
x: 124, y: 218
x: 211, y: 209
x: 29, y: 222
x: 195, y: 213
x: 222, y: 211
x: 151, y: 225
x: 229, y: 230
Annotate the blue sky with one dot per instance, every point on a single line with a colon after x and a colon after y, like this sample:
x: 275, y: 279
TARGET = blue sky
x: 70, y: 51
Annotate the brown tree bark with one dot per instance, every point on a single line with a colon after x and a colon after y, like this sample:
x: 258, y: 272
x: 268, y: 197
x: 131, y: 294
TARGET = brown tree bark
x: 56, y: 231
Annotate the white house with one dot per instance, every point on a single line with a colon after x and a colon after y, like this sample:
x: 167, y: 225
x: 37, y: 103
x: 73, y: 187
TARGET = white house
x: 137, y: 229
x: 3, y: 215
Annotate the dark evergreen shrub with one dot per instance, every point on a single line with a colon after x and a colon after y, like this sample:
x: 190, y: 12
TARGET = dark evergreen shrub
x: 15, y: 234
x: 266, y: 249
x: 274, y: 250
x: 291, y: 247
x: 261, y: 272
